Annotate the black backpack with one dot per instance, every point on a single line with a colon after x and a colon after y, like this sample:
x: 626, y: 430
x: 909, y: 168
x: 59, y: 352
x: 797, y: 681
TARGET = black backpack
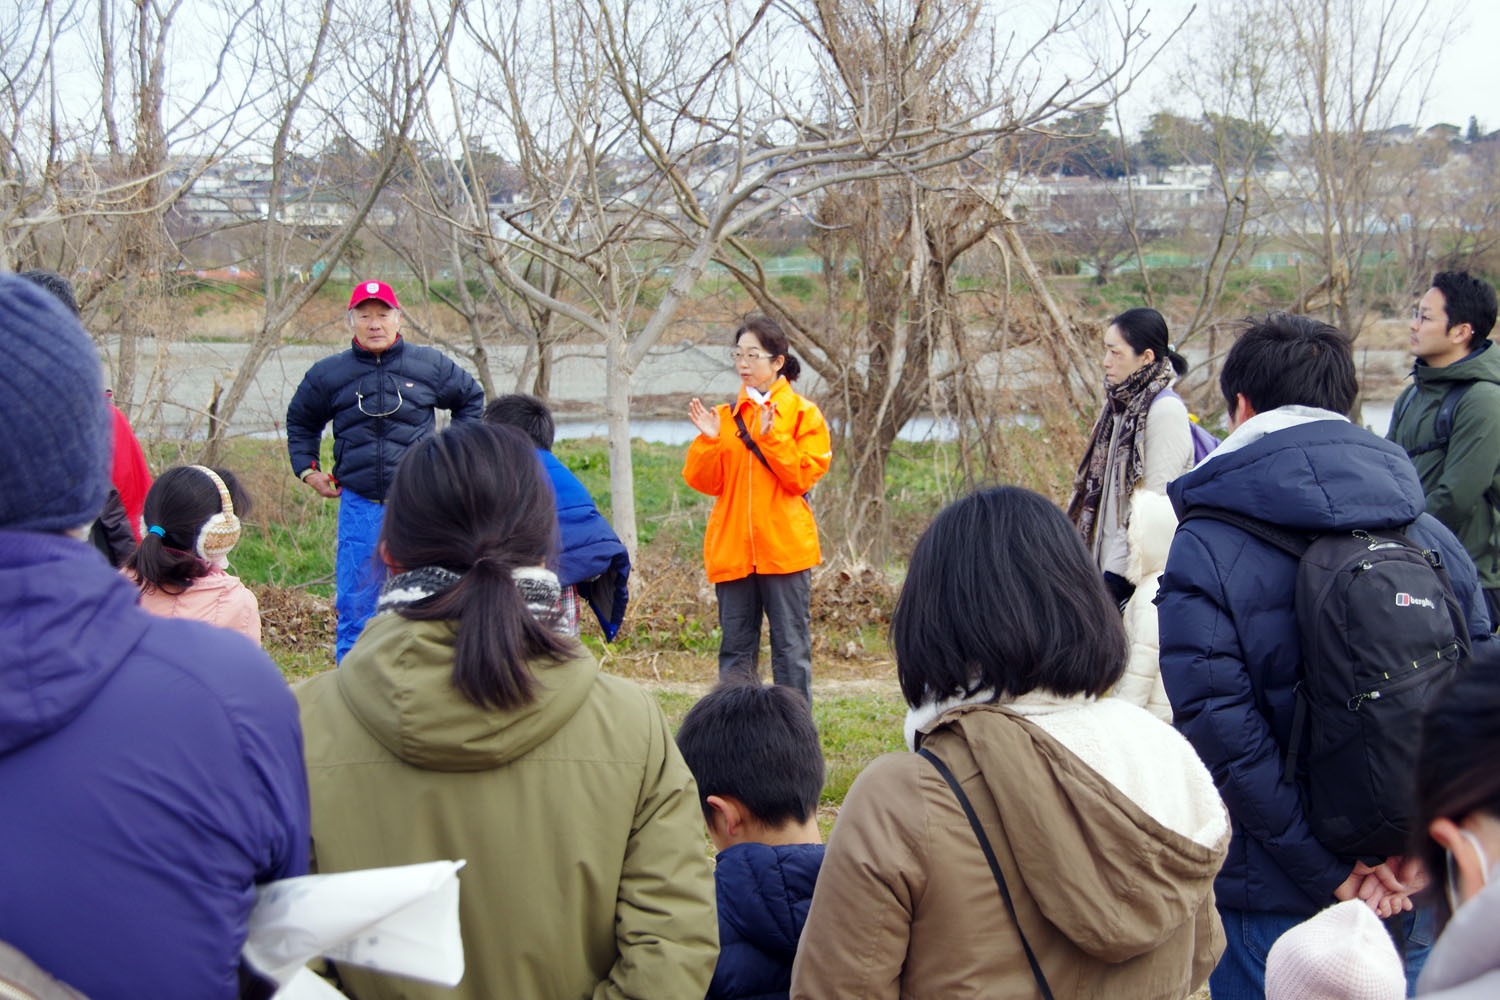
x: 1380, y: 629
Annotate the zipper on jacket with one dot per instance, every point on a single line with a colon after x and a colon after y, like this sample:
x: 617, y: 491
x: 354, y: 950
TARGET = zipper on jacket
x: 749, y: 495
x: 379, y: 427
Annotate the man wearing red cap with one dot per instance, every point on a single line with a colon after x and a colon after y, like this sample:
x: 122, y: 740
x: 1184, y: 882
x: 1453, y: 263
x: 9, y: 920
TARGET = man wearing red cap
x: 381, y: 395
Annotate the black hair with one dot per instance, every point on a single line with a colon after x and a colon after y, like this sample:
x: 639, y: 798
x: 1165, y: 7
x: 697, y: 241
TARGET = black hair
x: 179, y: 502
x: 1287, y: 359
x: 773, y: 341
x: 55, y: 283
x: 1146, y: 329
x: 1001, y: 593
x: 758, y: 744
x: 474, y: 500
x: 1467, y: 299
x: 526, y: 412
x: 1456, y: 772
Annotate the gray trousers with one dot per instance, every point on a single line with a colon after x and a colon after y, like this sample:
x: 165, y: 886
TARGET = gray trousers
x: 783, y: 597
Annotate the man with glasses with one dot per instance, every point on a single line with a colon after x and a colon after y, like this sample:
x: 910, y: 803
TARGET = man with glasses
x: 1448, y: 419
x: 381, y: 394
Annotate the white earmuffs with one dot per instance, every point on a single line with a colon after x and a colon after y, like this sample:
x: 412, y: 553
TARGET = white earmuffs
x: 221, y: 532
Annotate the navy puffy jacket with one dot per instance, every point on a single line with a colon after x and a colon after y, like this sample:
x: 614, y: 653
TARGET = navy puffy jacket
x: 1229, y: 645
x: 380, y: 405
x: 764, y: 893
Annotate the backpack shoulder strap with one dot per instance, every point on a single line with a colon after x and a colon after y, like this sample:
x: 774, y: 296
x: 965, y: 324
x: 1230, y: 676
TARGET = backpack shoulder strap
x: 1292, y: 543
x: 1403, y: 402
x: 1442, y: 427
x: 989, y: 856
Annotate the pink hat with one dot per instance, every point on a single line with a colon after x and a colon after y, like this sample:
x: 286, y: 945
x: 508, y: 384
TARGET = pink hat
x: 1343, y: 953
x: 366, y: 290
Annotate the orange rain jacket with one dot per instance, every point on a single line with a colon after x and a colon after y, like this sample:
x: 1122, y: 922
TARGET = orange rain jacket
x: 761, y: 523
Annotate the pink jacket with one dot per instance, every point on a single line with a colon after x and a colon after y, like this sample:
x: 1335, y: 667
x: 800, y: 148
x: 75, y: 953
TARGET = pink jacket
x: 218, y: 599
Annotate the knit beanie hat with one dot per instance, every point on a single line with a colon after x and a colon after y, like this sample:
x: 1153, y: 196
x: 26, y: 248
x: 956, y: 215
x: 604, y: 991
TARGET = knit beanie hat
x: 55, y: 440
x: 1343, y: 953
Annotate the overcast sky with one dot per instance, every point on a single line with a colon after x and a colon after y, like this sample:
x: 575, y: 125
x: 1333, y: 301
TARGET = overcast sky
x: 1465, y: 82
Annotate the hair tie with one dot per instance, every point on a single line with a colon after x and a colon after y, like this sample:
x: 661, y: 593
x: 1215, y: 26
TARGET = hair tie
x: 157, y: 530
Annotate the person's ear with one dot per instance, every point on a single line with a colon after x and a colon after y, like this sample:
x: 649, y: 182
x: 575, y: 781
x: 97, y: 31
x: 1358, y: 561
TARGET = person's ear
x: 1465, y: 859
x: 1148, y: 356
x: 1460, y: 334
x: 1243, y: 411
x: 727, y: 820
x: 385, y: 557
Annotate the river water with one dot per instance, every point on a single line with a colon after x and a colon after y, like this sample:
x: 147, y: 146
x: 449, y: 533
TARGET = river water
x: 180, y: 379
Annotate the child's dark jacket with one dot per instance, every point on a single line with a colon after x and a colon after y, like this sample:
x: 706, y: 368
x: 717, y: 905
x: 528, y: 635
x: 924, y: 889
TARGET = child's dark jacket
x: 590, y: 555
x: 764, y: 893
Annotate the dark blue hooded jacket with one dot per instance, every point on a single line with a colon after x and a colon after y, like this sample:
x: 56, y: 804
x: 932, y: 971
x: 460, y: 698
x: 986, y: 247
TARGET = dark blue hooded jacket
x: 764, y: 893
x: 150, y: 776
x: 380, y: 405
x: 590, y: 555
x: 1229, y: 644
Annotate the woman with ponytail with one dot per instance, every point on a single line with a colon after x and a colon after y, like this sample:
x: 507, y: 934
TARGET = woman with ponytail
x: 192, y: 516
x: 1141, y: 440
x: 758, y: 458
x: 464, y: 723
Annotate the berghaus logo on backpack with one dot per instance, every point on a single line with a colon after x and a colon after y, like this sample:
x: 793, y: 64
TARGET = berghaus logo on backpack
x: 1408, y: 601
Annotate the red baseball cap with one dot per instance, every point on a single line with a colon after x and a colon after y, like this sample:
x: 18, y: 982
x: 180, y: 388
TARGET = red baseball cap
x: 366, y: 290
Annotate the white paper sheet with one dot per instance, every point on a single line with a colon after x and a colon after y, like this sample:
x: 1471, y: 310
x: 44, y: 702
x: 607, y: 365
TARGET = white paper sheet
x: 400, y: 920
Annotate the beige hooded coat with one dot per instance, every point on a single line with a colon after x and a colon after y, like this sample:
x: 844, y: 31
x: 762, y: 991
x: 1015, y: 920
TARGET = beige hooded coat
x: 1114, y: 903
x: 587, y: 872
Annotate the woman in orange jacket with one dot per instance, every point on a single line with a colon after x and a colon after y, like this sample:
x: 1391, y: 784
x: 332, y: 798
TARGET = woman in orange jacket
x: 759, y: 457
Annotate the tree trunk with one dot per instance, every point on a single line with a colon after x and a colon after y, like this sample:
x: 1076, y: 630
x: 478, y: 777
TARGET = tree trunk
x: 621, y: 466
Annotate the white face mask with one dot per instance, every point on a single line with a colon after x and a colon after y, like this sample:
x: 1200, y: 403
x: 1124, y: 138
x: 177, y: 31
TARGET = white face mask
x: 1484, y: 870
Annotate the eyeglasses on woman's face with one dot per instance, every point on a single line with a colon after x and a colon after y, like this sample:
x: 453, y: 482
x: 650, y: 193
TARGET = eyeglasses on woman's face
x: 736, y: 356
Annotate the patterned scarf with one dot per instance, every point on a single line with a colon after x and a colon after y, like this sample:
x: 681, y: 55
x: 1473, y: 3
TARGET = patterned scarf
x: 1125, y: 405
x: 539, y: 589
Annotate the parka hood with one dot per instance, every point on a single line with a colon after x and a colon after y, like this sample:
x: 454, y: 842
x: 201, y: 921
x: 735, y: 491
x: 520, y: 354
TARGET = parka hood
x: 1316, y: 475
x: 1482, y: 365
x: 397, y: 682
x: 1109, y: 876
x: 67, y: 623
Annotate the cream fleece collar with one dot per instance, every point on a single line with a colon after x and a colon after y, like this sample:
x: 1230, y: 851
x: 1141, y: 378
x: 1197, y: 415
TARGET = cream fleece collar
x: 1261, y: 424
x: 1038, y: 702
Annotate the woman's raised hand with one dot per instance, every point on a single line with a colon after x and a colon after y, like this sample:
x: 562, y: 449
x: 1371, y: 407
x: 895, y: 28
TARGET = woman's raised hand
x: 706, y: 420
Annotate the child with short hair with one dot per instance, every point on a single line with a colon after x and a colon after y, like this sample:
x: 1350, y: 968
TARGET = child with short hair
x: 754, y: 752
x: 193, y: 515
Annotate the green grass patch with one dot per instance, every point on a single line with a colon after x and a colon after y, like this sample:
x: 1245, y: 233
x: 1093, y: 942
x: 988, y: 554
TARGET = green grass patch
x: 855, y: 729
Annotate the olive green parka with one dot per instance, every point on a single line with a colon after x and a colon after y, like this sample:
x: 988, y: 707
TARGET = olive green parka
x: 587, y: 872
x: 1460, y: 480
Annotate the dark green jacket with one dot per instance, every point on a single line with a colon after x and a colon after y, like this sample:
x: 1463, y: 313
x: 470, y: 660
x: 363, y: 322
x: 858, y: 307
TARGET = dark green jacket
x: 1457, y: 480
x: 587, y: 871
